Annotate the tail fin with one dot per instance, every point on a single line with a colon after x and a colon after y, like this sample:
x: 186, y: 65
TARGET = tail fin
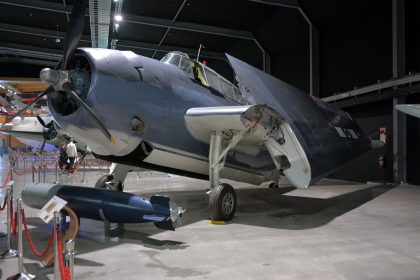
x: 161, y: 204
x: 159, y: 200
x: 166, y: 225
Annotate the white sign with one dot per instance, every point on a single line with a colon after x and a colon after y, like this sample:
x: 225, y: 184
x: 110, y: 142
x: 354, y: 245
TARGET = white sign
x: 54, y: 205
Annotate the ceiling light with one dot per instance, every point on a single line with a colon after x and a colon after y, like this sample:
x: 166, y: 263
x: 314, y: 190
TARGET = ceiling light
x: 118, y: 17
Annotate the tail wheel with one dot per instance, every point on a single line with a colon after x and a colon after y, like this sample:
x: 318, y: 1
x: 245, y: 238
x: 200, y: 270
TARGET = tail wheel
x: 102, y: 183
x: 222, y: 203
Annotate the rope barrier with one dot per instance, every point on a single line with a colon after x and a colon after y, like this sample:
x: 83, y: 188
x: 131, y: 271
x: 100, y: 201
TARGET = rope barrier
x: 7, y: 179
x: 22, y: 173
x: 14, y: 218
x: 65, y: 271
x: 46, y: 168
x: 31, y: 244
x: 88, y: 165
x: 4, y: 204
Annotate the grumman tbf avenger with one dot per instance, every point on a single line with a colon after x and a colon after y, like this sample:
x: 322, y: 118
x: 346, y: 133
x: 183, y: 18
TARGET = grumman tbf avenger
x: 179, y: 116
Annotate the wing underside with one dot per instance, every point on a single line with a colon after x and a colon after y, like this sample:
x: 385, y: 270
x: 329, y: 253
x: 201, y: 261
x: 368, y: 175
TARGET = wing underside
x: 254, y: 129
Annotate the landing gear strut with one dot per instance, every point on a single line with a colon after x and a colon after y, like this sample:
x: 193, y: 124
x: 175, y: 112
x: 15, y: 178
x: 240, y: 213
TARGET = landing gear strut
x: 115, y: 179
x: 105, y: 182
x: 222, y: 202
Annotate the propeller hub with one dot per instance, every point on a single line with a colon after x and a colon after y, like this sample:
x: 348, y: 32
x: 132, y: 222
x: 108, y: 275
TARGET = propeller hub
x: 55, y: 78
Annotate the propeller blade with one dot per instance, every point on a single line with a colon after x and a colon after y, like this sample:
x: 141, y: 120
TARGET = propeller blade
x: 40, y: 120
x: 95, y: 118
x: 42, y: 94
x: 74, y: 32
x: 42, y: 146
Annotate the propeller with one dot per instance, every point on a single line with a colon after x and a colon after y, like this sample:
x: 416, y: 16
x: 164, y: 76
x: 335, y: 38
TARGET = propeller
x: 48, y: 133
x: 74, y: 33
x: 59, y: 80
x: 95, y: 118
x: 42, y: 94
x: 42, y: 146
x: 41, y: 121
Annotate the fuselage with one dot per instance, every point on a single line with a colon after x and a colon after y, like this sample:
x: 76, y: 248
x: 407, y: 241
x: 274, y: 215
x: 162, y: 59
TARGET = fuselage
x: 124, y: 88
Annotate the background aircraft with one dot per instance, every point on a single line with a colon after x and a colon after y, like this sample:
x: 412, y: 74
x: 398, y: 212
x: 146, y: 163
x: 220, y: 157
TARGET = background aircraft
x: 411, y: 109
x: 179, y: 116
x: 39, y: 132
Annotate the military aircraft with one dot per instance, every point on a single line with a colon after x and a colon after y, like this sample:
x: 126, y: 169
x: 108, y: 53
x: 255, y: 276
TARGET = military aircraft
x: 179, y: 116
x: 38, y: 132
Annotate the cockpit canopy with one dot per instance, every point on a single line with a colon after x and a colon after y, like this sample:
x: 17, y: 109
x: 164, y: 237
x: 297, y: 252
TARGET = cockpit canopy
x: 205, y: 75
x: 179, y: 59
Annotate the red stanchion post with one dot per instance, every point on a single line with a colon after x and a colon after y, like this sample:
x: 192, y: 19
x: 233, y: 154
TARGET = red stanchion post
x: 69, y: 257
x: 22, y: 274
x: 9, y: 252
x: 57, y: 219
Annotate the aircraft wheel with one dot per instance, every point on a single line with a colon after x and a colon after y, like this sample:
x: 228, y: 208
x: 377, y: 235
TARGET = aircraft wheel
x: 273, y: 186
x: 222, y: 203
x: 101, y: 183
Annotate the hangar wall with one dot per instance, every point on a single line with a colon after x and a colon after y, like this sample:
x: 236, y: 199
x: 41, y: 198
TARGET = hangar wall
x: 355, y: 50
x: 366, y: 167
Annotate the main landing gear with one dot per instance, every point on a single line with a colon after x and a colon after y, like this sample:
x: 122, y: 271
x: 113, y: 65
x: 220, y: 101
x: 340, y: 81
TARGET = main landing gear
x: 115, y: 179
x: 222, y: 202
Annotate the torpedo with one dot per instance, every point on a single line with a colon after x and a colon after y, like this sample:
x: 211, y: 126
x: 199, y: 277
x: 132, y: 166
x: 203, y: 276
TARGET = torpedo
x: 106, y: 205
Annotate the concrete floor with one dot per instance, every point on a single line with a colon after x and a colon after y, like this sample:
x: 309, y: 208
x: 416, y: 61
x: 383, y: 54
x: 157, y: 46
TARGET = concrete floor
x: 334, y: 230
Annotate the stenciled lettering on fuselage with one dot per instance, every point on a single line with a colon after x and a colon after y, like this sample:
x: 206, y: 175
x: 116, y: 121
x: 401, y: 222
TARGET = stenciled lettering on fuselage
x: 346, y: 133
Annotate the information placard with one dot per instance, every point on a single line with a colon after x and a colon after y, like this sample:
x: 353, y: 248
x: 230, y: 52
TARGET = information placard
x: 54, y: 205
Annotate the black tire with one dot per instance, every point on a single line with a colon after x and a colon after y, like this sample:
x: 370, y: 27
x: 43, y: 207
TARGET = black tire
x: 222, y: 203
x: 101, y: 183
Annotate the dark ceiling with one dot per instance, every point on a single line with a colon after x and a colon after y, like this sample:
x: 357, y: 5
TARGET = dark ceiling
x: 283, y: 32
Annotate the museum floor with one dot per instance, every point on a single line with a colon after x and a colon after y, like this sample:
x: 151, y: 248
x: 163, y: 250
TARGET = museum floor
x: 334, y: 230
